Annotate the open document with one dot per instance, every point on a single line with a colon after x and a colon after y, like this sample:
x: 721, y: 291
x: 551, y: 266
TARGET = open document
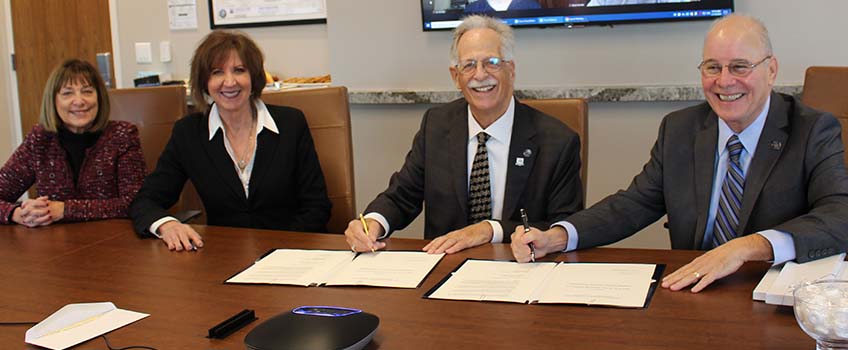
x: 398, y: 269
x: 620, y: 285
x: 76, y: 323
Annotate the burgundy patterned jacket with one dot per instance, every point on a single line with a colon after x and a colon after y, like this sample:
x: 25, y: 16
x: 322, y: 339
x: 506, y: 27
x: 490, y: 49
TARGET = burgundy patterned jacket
x: 111, y: 174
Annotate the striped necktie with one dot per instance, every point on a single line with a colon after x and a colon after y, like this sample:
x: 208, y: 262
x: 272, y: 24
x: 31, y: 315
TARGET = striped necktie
x: 730, y: 199
x: 479, y: 191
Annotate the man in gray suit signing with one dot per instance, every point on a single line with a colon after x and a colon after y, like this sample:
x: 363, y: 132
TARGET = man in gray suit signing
x: 475, y: 162
x: 750, y: 175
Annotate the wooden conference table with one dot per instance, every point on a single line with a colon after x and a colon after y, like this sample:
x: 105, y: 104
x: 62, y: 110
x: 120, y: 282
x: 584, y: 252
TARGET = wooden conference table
x: 43, y: 269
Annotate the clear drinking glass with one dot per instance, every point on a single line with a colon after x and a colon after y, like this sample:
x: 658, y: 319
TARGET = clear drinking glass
x: 821, y: 309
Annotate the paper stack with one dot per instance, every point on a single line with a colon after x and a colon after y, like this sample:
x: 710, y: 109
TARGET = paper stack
x: 777, y: 285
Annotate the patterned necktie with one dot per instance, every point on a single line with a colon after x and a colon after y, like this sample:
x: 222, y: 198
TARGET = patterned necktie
x: 479, y: 193
x: 730, y: 198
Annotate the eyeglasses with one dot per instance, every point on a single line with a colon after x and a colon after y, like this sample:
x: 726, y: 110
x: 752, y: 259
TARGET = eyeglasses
x: 491, y: 65
x: 739, y: 68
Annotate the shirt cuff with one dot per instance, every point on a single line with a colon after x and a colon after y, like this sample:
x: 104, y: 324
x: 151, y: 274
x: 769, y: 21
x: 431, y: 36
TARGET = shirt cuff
x: 497, y: 231
x: 572, y: 234
x: 383, y: 222
x: 154, y: 227
x: 782, y: 245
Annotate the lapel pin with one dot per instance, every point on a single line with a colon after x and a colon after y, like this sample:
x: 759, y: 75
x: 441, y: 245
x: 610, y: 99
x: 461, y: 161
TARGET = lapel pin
x: 527, y: 153
x: 775, y: 145
x: 519, y: 161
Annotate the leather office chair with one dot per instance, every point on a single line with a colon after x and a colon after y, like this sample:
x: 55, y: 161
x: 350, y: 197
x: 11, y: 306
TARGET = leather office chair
x: 826, y: 89
x: 328, y: 115
x: 574, y: 112
x: 154, y: 110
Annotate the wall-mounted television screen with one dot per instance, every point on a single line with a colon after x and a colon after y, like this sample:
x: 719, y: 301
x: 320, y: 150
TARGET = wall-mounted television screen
x: 447, y: 14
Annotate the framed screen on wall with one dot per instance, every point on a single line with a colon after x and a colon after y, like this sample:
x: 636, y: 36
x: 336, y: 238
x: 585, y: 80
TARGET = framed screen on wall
x: 262, y: 13
x: 447, y: 14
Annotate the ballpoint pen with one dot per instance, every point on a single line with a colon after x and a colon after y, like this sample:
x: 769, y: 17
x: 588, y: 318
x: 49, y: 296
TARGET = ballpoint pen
x: 365, y: 226
x: 527, y: 229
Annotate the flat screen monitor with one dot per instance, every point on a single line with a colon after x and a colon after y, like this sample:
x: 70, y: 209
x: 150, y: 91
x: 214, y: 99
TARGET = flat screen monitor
x: 447, y: 14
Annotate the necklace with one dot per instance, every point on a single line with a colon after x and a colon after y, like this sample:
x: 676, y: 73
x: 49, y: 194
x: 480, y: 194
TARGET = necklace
x: 245, y: 157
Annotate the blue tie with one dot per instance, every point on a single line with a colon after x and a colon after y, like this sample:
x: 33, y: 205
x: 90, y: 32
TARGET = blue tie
x: 730, y: 199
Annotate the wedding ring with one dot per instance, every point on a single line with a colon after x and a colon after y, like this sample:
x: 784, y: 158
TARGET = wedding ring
x: 697, y: 275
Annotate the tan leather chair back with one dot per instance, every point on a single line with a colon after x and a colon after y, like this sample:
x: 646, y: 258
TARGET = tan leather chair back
x: 826, y: 89
x: 154, y: 110
x: 328, y: 114
x: 574, y: 112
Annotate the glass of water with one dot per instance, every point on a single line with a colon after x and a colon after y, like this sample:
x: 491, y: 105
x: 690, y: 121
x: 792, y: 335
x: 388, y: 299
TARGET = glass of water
x: 821, y: 309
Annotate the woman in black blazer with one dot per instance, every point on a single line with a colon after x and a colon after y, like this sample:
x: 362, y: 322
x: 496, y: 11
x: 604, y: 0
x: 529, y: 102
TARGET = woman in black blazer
x: 253, y: 165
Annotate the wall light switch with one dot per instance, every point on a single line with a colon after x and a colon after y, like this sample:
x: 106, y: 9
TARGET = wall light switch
x: 164, y: 51
x: 143, y: 53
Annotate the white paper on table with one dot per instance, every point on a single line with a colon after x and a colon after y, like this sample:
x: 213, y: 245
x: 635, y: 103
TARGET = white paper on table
x: 622, y: 285
x: 843, y: 274
x: 396, y: 269
x: 765, y: 284
x: 793, y: 274
x: 487, y: 280
x: 76, y: 323
x: 294, y: 266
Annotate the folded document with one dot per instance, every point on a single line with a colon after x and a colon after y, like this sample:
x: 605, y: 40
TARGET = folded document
x: 608, y: 284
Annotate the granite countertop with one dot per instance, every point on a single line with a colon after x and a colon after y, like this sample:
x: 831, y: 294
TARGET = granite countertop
x: 667, y: 93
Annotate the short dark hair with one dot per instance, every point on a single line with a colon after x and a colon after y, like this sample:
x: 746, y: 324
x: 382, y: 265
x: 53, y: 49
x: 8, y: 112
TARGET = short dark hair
x: 73, y: 71
x: 214, y: 50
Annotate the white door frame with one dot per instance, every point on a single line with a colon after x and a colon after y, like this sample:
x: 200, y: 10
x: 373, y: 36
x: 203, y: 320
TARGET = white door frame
x: 15, y: 116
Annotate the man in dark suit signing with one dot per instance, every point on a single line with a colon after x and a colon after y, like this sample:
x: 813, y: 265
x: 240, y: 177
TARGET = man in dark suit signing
x: 750, y: 175
x: 478, y: 160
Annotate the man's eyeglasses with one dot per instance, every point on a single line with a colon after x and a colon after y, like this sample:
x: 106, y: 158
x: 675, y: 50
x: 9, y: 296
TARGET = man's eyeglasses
x: 739, y: 68
x: 491, y: 65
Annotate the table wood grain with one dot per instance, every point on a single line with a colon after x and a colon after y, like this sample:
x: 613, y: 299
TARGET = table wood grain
x: 49, y: 267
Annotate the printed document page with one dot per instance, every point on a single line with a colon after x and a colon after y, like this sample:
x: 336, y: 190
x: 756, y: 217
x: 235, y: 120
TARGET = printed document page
x: 386, y: 269
x: 294, y: 266
x: 486, y: 280
x: 622, y: 285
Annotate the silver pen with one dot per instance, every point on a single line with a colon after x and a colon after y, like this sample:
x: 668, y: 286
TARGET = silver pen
x: 527, y: 229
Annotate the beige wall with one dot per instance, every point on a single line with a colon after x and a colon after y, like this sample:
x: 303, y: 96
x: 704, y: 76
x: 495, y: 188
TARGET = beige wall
x: 7, y: 139
x: 300, y: 50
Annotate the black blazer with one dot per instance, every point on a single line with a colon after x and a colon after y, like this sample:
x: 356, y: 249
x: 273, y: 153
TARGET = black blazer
x: 287, y: 190
x: 435, y: 173
x: 795, y: 183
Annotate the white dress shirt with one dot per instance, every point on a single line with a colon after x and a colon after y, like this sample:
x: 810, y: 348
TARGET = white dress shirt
x: 497, y: 148
x: 263, y: 121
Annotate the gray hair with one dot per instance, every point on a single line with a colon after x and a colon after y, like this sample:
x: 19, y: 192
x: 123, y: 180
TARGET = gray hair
x: 480, y: 22
x: 756, y: 25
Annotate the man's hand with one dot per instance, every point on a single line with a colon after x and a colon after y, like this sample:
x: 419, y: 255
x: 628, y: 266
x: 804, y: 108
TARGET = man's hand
x: 545, y: 242
x: 179, y: 236
x: 466, y: 237
x: 361, y: 242
x: 719, y: 262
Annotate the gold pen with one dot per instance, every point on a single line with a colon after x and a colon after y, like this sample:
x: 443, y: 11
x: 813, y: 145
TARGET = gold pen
x: 365, y: 226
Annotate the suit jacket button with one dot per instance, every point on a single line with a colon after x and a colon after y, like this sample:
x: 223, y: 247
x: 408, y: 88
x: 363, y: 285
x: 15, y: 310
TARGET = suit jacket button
x: 51, y: 176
